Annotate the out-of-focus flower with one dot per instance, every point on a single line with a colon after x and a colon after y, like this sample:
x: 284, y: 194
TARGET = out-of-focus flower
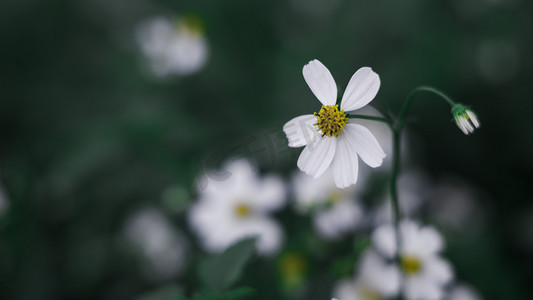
x: 454, y: 204
x: 425, y: 272
x: 465, y: 119
x: 292, y: 267
x: 414, y: 187
x: 463, y: 292
x: 162, y: 248
x: 330, y: 139
x: 376, y: 279
x: 335, y: 211
x: 174, y: 46
x: 238, y: 207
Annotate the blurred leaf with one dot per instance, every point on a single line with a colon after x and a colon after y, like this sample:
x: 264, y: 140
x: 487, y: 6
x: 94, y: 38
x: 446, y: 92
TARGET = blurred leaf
x: 234, y: 294
x: 239, y: 293
x: 167, y: 292
x: 220, y: 271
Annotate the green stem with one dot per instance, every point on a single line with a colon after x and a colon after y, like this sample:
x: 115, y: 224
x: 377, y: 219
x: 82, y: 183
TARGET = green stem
x: 396, y: 137
x: 372, y: 118
x: 396, y: 217
x: 400, y: 122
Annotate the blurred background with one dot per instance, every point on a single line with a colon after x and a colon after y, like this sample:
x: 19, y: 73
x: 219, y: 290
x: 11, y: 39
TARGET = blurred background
x: 102, y: 141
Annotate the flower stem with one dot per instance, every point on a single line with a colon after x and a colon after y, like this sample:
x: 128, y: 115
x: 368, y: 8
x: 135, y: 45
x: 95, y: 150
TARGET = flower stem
x: 396, y: 136
x: 396, y: 213
x: 372, y: 118
x: 400, y: 122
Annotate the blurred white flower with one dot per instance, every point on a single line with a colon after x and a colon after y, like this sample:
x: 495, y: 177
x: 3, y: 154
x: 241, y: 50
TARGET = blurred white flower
x: 173, y: 46
x: 375, y: 279
x: 162, y: 247
x: 454, y: 204
x: 414, y: 187
x: 425, y: 272
x: 330, y: 139
x: 238, y: 207
x: 463, y: 292
x: 335, y: 211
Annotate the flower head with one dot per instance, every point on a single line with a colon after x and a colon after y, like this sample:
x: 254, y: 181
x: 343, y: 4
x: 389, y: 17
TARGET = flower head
x: 330, y: 139
x: 335, y: 211
x: 160, y: 246
x: 238, y: 207
x: 465, y: 119
x: 425, y: 272
x: 174, y: 46
x: 376, y: 279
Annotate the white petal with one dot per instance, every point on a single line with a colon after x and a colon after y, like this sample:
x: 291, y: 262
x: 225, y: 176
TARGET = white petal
x: 438, y: 270
x: 430, y: 240
x: 473, y: 118
x: 361, y: 89
x: 316, y: 158
x: 345, y: 290
x: 343, y: 217
x: 321, y: 82
x: 384, y: 240
x: 345, y: 164
x: 365, y: 144
x: 418, y: 288
x: 300, y: 131
x: 270, y: 193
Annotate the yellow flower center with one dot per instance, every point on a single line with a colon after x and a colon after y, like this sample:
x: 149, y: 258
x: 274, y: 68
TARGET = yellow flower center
x: 335, y: 196
x: 368, y: 294
x: 242, y: 210
x: 410, y: 265
x: 191, y: 24
x: 330, y: 120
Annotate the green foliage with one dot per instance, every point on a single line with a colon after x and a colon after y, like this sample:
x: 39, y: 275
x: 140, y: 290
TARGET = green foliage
x: 234, y: 294
x: 220, y: 271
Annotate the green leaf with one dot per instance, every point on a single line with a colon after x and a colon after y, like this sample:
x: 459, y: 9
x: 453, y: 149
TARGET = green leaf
x: 163, y: 293
x: 220, y: 271
x: 239, y: 293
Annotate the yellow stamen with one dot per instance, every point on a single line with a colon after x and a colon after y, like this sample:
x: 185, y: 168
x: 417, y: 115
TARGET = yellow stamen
x: 192, y: 24
x: 330, y: 120
x: 410, y: 265
x: 335, y: 196
x: 368, y: 294
x: 242, y: 210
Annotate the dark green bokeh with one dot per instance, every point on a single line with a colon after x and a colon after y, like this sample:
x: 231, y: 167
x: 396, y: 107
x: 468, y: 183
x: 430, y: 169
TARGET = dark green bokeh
x: 87, y: 136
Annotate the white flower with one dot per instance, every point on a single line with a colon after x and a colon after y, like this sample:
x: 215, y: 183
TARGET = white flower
x: 425, y: 272
x: 465, y: 119
x: 173, y: 47
x: 455, y: 204
x: 237, y: 207
x: 330, y: 139
x: 463, y: 292
x: 414, y: 188
x: 161, y: 246
x: 335, y: 211
x: 376, y: 279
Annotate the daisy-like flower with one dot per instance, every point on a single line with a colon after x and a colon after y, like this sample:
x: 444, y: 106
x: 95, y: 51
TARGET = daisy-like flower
x: 425, y: 272
x: 239, y: 207
x: 465, y: 119
x: 330, y: 139
x: 161, y: 248
x: 376, y: 280
x: 174, y: 46
x: 335, y: 211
